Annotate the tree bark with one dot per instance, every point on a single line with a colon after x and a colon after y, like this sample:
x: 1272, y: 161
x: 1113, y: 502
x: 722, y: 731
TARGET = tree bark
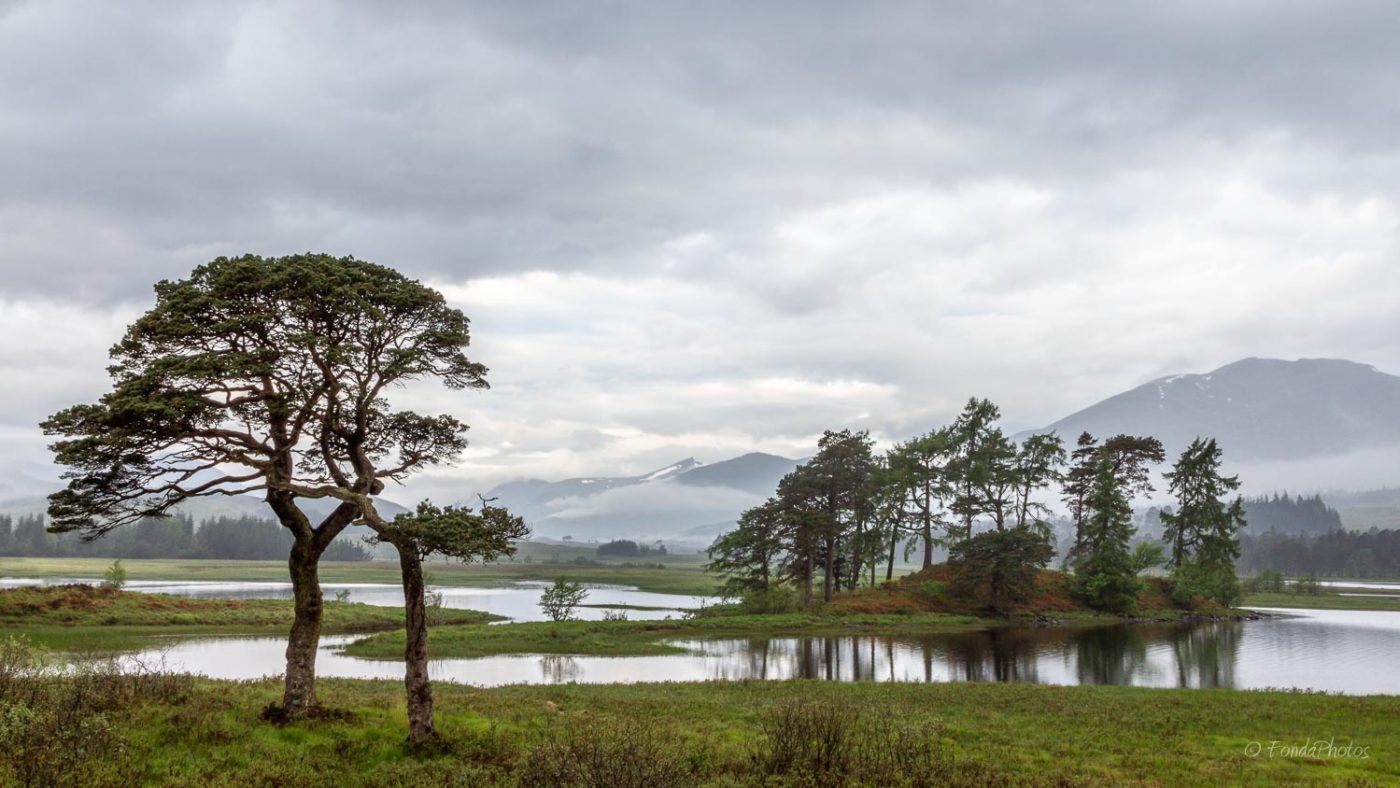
x: 807, y: 582
x: 415, y: 652
x: 894, y: 544
x: 299, y: 694
x: 828, y: 570
x: 928, y: 526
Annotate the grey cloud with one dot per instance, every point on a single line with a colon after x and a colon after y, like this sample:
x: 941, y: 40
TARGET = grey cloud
x: 721, y: 226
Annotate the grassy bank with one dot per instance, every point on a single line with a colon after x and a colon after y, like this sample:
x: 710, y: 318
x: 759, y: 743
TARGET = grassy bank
x: 679, y: 576
x: 723, y: 733
x: 88, y: 618
x: 645, y: 638
x: 1324, y: 601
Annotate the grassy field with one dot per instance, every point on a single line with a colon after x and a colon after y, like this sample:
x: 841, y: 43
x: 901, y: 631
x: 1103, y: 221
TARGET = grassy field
x: 644, y: 638
x: 680, y: 575
x: 1324, y: 601
x: 87, y: 618
x: 727, y: 734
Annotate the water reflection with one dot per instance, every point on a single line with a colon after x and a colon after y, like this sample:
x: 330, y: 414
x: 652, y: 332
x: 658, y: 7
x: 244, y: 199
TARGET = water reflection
x: 1335, y: 651
x: 1197, y: 655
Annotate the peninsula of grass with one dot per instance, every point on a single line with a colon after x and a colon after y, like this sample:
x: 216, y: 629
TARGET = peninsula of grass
x: 650, y: 638
x: 916, y: 605
x: 92, y: 618
x: 735, y: 733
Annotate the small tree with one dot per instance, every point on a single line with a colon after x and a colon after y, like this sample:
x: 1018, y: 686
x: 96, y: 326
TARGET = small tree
x: 455, y: 532
x: 745, y: 556
x: 559, y: 600
x: 115, y: 577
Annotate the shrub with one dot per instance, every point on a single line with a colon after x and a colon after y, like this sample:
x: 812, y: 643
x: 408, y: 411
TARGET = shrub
x: 625, y: 753
x: 1308, y: 584
x: 820, y: 742
x: 63, y: 727
x: 776, y: 599
x: 998, y: 569
x: 1269, y: 581
x: 1194, y: 581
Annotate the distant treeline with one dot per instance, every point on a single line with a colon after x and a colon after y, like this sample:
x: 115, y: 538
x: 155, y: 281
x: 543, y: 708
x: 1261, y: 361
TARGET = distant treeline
x: 1369, y: 554
x: 1287, y: 515
x: 234, y: 538
x: 626, y: 548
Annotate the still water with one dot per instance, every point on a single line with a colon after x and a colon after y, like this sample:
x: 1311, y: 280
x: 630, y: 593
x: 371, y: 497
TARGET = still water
x: 1348, y: 652
x: 1342, y: 651
x: 518, y: 601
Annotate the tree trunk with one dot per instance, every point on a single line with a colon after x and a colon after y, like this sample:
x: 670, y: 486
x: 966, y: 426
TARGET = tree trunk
x: 807, y: 583
x: 299, y: 694
x: 928, y: 541
x: 928, y: 526
x: 894, y: 544
x: 415, y: 651
x: 827, y: 575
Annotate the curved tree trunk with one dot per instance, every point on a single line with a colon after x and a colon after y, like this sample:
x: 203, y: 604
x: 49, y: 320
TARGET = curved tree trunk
x: 299, y: 695
x: 415, y: 652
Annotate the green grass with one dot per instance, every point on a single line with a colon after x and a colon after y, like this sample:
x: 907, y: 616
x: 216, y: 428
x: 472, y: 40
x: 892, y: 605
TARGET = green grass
x: 646, y: 638
x: 714, y: 734
x: 87, y: 618
x: 1324, y: 601
x: 680, y: 575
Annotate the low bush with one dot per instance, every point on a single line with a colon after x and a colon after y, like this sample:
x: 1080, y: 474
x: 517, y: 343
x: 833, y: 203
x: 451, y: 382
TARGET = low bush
x: 822, y: 742
x: 59, y: 725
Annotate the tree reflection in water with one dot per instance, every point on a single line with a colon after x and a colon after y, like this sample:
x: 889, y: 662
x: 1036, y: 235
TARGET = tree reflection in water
x: 559, y: 669
x: 1187, y: 655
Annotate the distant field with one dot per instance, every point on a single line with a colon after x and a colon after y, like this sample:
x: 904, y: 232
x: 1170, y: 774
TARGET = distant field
x: 1324, y: 601
x: 679, y: 575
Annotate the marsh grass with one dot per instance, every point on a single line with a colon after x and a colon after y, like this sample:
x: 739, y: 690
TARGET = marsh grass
x: 793, y: 733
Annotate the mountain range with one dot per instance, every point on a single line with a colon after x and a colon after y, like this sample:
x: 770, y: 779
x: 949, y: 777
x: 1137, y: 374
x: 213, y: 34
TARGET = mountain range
x: 1306, y: 425
x: 687, y: 502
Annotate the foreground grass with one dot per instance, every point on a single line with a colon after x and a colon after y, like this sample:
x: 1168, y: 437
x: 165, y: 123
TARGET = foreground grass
x: 88, y: 618
x: 681, y: 575
x: 749, y: 733
x: 1323, y: 601
x: 648, y: 638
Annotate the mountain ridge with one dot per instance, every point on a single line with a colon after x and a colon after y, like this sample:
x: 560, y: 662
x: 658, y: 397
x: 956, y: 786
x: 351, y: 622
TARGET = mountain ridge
x: 1258, y: 409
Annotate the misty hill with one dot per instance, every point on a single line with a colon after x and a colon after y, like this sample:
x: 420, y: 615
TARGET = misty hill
x: 687, y: 501
x: 1260, y: 410
x: 229, y: 506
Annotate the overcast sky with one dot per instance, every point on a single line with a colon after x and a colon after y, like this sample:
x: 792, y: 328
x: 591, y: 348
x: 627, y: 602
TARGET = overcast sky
x: 710, y: 228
